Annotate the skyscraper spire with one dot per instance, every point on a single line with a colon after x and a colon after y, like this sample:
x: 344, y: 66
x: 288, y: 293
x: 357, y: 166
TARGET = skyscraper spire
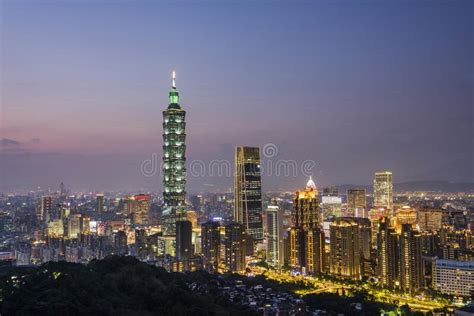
x: 174, y: 94
x: 173, y: 75
x: 310, y: 185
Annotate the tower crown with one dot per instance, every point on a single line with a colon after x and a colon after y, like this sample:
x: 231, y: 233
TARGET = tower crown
x: 173, y: 75
x: 310, y: 185
x: 174, y: 94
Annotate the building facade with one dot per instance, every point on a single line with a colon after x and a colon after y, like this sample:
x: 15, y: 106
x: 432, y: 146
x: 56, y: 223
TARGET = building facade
x: 46, y: 208
x: 184, y: 246
x: 141, y: 209
x: 411, y: 268
x: 356, y: 203
x: 235, y: 247
x: 387, y: 254
x: 430, y: 219
x: 383, y: 191
x: 211, y: 241
x: 453, y: 277
x: 314, y: 245
x: 248, y: 191
x: 345, y: 250
x: 274, y: 236
x: 305, y: 211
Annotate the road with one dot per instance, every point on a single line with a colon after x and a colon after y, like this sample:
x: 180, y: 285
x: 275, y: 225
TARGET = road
x: 315, y: 285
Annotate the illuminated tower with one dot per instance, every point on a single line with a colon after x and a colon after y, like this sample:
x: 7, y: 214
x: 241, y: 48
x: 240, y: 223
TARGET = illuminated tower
x: 305, y: 211
x: 345, y: 248
x: 405, y: 215
x: 174, y: 159
x: 314, y: 251
x: 387, y: 254
x: 383, y: 191
x: 248, y: 191
x: 411, y: 273
x: 210, y: 236
x: 46, y: 208
x: 235, y: 247
x: 306, y: 238
x: 274, y: 236
x: 141, y: 209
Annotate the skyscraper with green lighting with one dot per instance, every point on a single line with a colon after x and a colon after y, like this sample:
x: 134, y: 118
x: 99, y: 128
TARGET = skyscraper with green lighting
x: 174, y: 159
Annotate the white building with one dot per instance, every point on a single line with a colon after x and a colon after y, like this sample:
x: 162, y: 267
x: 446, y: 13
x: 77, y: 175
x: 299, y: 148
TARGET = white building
x: 454, y: 277
x: 274, y: 236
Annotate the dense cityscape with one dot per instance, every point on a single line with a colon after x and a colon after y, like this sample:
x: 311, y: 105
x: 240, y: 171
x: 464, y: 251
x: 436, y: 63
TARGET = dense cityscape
x: 243, y: 157
x: 411, y: 250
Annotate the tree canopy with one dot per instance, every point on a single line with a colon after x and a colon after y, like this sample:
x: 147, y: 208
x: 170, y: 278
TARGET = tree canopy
x: 115, y: 285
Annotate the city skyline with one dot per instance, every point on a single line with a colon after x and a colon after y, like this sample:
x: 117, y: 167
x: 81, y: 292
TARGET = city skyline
x: 369, y: 93
x: 315, y: 157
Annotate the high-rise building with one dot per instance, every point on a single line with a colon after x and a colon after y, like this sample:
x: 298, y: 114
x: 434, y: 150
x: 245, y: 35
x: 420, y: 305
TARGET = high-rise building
x: 307, y: 252
x: 235, y: 247
x: 120, y: 243
x: 404, y: 215
x: 46, y: 208
x: 306, y: 239
x: 305, y: 211
x: 462, y: 238
x: 166, y: 245
x: 297, y: 251
x: 99, y: 202
x: 365, y: 245
x: 174, y: 159
x: 56, y: 228
x: 429, y: 219
x: 141, y: 209
x: 331, y: 203
x: 74, y: 225
x: 274, y: 236
x: 387, y: 254
x: 356, y: 203
x: 383, y: 191
x: 315, y: 255
x: 411, y: 269
x: 345, y: 254
x: 184, y: 246
x: 248, y: 191
x: 127, y: 205
x: 210, y: 236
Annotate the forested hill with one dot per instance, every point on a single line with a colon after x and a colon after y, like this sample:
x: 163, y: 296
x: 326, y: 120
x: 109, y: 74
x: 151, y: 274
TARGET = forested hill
x: 113, y: 286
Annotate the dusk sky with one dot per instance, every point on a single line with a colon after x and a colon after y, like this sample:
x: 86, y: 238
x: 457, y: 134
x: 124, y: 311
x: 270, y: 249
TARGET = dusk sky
x: 356, y: 86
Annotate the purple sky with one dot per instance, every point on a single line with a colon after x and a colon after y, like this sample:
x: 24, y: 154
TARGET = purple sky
x: 355, y: 86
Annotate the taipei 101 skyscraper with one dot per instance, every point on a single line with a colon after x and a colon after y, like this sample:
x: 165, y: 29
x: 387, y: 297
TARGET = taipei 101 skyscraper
x: 174, y: 159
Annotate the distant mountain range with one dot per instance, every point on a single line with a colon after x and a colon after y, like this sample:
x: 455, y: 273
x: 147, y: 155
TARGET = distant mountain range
x: 437, y: 186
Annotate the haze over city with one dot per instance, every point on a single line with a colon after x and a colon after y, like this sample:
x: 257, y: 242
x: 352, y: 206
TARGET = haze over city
x: 355, y: 87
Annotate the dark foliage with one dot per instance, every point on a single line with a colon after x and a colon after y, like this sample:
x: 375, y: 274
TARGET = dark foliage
x: 113, y: 286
